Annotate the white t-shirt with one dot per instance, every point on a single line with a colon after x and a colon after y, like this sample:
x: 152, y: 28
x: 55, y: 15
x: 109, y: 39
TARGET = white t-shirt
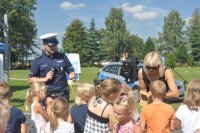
x: 63, y: 127
x: 38, y: 123
x: 190, y: 120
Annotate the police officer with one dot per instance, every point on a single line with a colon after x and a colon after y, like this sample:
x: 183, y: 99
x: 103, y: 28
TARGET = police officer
x: 51, y: 68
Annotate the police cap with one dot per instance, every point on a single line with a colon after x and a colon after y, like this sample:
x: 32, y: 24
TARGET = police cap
x: 50, y: 39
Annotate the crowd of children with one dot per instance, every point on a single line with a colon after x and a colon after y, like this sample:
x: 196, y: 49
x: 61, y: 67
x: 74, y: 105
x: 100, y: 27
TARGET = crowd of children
x: 105, y: 108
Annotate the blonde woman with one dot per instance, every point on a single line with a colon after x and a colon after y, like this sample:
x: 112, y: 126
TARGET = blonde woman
x: 78, y: 112
x: 188, y: 114
x: 59, y: 114
x: 39, y: 116
x: 153, y: 69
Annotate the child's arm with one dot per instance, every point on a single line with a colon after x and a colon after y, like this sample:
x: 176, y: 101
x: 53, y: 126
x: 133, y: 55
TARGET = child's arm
x: 143, y: 121
x: 175, y: 123
x: 69, y: 119
x: 138, y: 129
x: 23, y: 128
x: 39, y: 109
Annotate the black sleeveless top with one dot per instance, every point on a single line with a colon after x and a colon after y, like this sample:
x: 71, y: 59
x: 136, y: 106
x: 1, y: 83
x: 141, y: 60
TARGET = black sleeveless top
x: 147, y: 82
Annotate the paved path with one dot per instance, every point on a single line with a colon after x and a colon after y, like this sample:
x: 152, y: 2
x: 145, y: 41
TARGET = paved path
x: 28, y: 123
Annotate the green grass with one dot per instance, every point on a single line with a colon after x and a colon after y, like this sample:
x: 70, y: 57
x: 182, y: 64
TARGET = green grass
x: 88, y: 74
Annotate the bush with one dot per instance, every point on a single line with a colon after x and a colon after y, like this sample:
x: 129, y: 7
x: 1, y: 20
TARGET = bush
x: 170, y: 60
x: 190, y: 60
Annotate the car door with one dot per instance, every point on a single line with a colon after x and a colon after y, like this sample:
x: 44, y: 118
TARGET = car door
x: 111, y: 71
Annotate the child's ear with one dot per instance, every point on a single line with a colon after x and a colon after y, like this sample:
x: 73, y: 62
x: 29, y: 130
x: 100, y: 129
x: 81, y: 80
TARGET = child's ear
x: 10, y: 95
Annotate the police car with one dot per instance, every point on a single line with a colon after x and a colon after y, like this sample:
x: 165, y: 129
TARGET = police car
x: 114, y: 70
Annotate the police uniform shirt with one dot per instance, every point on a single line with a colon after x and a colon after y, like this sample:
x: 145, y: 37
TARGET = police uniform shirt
x: 60, y: 63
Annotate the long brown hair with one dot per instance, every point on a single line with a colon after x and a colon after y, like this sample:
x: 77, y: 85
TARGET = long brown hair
x: 60, y: 109
x: 109, y: 86
x: 192, y: 98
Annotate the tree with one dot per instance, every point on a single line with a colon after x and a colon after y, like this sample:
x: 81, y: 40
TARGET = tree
x: 194, y: 34
x: 172, y: 31
x: 22, y: 27
x: 190, y: 60
x: 74, y: 40
x: 149, y: 46
x: 136, y: 46
x: 93, y: 44
x: 115, y: 34
x: 181, y: 54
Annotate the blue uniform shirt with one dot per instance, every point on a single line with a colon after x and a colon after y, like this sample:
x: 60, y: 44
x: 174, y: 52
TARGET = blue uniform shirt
x: 60, y: 63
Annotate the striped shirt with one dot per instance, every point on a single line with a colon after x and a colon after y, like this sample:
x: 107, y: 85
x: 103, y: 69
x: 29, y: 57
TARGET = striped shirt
x: 63, y: 127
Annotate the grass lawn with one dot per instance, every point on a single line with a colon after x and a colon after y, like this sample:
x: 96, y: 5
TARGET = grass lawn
x: 19, y: 84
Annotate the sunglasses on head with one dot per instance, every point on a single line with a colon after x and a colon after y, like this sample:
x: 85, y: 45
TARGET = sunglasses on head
x: 151, y: 68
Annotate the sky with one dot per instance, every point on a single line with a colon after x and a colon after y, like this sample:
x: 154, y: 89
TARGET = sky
x: 143, y: 17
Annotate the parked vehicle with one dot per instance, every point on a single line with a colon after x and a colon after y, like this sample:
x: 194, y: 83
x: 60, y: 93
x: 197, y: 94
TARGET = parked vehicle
x: 114, y: 70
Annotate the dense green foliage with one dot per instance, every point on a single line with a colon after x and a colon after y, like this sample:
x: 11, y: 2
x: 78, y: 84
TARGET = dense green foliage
x: 22, y: 27
x: 194, y: 34
x: 172, y: 31
x: 149, y: 46
x: 74, y: 40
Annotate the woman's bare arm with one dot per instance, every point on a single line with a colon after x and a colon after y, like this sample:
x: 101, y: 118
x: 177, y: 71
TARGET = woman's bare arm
x: 173, y: 93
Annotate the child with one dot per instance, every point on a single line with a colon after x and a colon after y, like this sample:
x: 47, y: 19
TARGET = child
x: 157, y: 115
x: 16, y: 122
x: 100, y: 107
x: 59, y: 114
x: 188, y: 114
x: 39, y: 116
x: 124, y: 109
x: 126, y: 90
x: 4, y: 116
x: 78, y: 112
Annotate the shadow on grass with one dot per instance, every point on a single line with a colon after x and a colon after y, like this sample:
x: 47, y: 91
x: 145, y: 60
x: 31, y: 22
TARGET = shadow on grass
x: 18, y: 101
x: 19, y: 88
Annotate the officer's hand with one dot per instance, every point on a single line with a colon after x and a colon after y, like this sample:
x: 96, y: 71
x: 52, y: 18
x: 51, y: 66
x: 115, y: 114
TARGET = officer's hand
x: 49, y: 75
x: 72, y: 75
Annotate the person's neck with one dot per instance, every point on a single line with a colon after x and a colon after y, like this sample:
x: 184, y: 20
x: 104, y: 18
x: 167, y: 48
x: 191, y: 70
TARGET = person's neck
x: 157, y: 100
x: 125, y: 122
x: 60, y: 120
x: 7, y: 102
x: 36, y: 99
x: 49, y: 54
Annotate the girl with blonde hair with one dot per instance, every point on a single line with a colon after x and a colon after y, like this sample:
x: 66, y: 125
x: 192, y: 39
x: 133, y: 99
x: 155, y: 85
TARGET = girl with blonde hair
x: 124, y: 108
x: 39, y: 116
x: 58, y: 117
x: 78, y: 112
x: 100, y: 108
x: 188, y: 114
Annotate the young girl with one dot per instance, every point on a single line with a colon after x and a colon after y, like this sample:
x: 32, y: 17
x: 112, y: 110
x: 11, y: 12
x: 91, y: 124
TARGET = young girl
x: 39, y: 116
x: 126, y: 90
x: 59, y: 114
x: 78, y: 112
x: 17, y: 119
x: 100, y: 107
x: 188, y: 114
x: 124, y: 109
